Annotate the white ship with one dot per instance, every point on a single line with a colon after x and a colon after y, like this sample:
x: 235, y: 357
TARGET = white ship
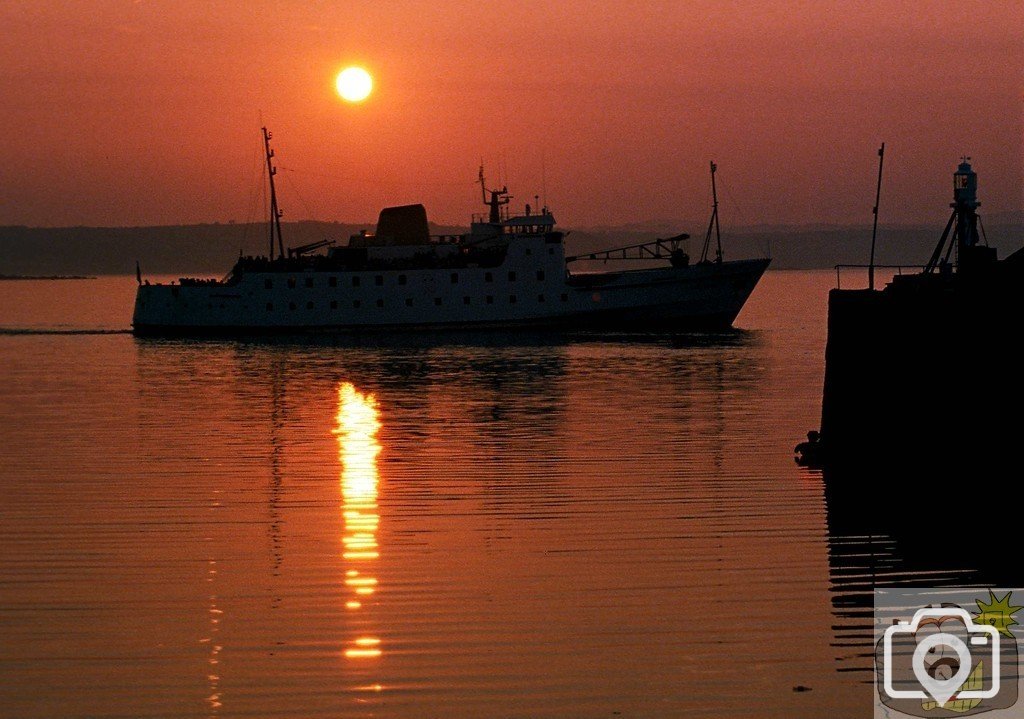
x: 506, y: 272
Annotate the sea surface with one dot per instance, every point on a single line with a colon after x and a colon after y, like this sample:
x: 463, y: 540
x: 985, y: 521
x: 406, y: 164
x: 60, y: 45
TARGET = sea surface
x: 425, y: 526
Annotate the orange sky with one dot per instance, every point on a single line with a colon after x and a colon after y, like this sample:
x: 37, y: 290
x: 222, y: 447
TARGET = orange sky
x: 148, y: 112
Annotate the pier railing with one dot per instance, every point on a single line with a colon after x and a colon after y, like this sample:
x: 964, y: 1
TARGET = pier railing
x: 898, y: 270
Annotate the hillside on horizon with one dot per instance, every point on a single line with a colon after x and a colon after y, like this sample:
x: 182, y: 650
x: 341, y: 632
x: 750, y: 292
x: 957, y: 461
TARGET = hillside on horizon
x: 211, y: 249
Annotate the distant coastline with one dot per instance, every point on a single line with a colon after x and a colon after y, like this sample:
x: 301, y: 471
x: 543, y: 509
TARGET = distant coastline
x: 193, y: 250
x: 45, y: 277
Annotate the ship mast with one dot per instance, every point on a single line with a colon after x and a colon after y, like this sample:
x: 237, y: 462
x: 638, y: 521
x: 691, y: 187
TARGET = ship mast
x: 713, y: 224
x: 497, y: 199
x: 275, y: 213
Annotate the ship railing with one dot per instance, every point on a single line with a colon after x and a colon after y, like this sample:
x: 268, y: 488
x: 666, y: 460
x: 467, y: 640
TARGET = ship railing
x: 897, y: 270
x: 199, y: 281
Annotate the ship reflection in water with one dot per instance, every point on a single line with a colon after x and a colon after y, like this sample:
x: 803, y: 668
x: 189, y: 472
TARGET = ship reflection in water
x: 356, y: 431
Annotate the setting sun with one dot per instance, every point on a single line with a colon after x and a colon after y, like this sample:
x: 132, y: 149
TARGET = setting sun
x: 354, y: 84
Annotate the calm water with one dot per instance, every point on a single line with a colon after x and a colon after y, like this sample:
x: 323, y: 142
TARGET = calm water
x: 483, y: 527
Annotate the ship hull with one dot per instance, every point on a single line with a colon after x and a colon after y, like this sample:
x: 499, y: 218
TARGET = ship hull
x: 537, y: 294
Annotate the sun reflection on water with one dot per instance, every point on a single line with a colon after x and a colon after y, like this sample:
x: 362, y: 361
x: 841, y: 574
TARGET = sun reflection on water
x: 358, y: 421
x: 213, y: 700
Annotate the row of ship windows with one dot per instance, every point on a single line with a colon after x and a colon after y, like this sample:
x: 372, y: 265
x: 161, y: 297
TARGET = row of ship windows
x: 438, y: 301
x: 378, y: 280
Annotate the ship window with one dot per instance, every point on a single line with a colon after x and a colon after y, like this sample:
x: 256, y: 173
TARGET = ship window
x: 540, y: 298
x: 402, y: 279
x: 565, y: 297
x: 332, y: 281
x: 291, y: 283
x: 309, y: 305
x: 355, y: 280
x: 408, y: 301
x: 540, y: 274
x: 511, y: 299
x: 380, y: 303
x: 291, y: 305
x: 490, y: 299
x: 488, y: 277
x: 511, y: 276
x: 455, y: 278
x: 466, y: 300
x: 270, y: 305
x: 378, y: 280
x: 334, y: 304
x: 437, y: 301
x: 356, y: 303
x: 528, y: 251
x: 309, y: 282
x: 268, y: 284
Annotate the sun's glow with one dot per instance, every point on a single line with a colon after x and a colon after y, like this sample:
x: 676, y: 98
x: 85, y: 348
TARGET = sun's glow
x: 354, y: 84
